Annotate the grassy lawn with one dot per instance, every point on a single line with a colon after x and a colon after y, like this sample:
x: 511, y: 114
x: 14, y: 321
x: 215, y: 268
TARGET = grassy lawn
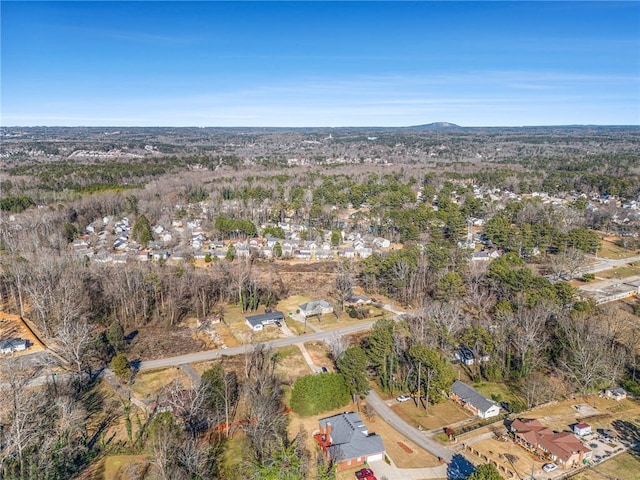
x: 290, y: 304
x: 621, y: 272
x: 122, y: 467
x: 295, y: 326
x: 609, y: 249
x: 498, y: 392
x: 291, y: 363
x: 607, y: 414
x: 393, y: 440
x: 319, y: 353
x: 148, y: 384
x: 437, y: 416
x: 622, y: 466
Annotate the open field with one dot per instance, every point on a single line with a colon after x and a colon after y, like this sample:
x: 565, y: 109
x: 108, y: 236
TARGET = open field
x: 12, y: 327
x: 291, y: 303
x: 623, y: 466
x: 148, y: 385
x: 291, y: 363
x: 319, y: 353
x: 437, y: 416
x: 621, y: 272
x: 601, y: 413
x: 123, y: 467
x: 498, y: 392
x: 608, y: 249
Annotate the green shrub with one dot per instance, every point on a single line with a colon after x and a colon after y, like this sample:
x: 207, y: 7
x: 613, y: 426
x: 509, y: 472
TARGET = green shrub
x: 313, y: 394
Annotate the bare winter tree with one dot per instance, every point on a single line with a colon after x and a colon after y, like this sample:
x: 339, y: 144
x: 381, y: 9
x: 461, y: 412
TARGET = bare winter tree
x: 590, y: 357
x: 337, y: 345
x: 74, y: 338
x: 567, y: 263
x: 529, y: 340
x: 265, y: 424
x: 343, y: 283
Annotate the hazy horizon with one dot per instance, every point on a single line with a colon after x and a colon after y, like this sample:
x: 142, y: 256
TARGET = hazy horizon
x: 320, y: 64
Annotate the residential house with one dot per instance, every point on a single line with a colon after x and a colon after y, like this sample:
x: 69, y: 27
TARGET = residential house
x: 616, y: 394
x: 481, y: 256
x: 364, y: 252
x: 303, y: 253
x: 347, y: 441
x: 219, y: 254
x: 381, y: 242
x: 466, y: 356
x: 271, y: 241
x: 13, y: 345
x: 563, y: 448
x: 257, y: 322
x: 347, y: 252
x: 473, y: 400
x: 324, y: 254
x: 316, y: 307
x: 359, y: 300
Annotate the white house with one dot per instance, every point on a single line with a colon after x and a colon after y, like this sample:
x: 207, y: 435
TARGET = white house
x: 582, y: 429
x: 616, y: 394
x: 473, y: 400
x: 13, y: 345
x: 257, y: 322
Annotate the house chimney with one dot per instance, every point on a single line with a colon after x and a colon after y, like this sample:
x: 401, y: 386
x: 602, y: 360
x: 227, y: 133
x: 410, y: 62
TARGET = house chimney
x: 328, y: 432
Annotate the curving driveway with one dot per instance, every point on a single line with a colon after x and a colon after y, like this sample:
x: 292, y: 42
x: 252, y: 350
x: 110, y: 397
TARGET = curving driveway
x: 415, y: 435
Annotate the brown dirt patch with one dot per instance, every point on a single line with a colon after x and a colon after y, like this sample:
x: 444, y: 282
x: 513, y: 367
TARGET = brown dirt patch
x: 404, y: 447
x: 156, y: 342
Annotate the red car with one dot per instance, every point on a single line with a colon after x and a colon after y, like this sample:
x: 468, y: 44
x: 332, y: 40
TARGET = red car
x: 365, y: 474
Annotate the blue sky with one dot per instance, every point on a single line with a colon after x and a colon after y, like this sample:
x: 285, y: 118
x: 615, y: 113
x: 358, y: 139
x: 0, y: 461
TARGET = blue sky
x: 320, y: 64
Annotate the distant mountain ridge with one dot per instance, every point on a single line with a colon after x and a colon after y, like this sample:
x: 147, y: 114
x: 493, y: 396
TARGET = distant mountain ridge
x: 436, y: 126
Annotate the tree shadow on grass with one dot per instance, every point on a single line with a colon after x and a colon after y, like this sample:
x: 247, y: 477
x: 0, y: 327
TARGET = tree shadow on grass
x: 459, y: 468
x: 629, y: 433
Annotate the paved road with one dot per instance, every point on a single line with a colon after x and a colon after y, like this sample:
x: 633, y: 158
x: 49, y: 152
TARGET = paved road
x: 415, y: 435
x: 607, y: 264
x: 281, y: 342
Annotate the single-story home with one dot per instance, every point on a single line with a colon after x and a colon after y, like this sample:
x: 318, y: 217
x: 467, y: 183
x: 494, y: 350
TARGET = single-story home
x: 347, y: 441
x: 257, y: 322
x: 474, y: 400
x: 13, y: 345
x: 563, y: 447
x: 582, y: 429
x: 359, y: 300
x: 316, y: 307
x: 616, y: 394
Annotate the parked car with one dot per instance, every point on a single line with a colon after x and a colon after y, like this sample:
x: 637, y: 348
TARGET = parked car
x: 403, y: 398
x: 365, y: 474
x: 549, y: 467
x: 278, y: 324
x: 325, y: 369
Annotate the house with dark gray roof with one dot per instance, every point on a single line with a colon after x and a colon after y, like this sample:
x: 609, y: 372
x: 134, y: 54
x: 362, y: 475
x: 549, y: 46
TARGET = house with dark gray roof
x: 257, y: 322
x: 473, y: 400
x: 347, y: 441
x: 13, y: 345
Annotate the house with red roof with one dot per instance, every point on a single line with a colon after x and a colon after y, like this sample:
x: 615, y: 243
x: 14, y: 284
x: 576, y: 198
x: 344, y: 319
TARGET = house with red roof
x: 563, y: 448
